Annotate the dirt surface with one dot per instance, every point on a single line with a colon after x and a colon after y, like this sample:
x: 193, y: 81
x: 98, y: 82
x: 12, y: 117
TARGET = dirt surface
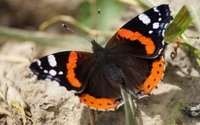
x: 47, y: 103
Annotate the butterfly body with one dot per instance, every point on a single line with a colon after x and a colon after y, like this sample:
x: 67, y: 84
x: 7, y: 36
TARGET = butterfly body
x: 131, y: 59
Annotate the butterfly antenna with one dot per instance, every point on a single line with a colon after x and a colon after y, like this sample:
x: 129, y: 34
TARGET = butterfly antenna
x: 68, y: 28
x: 99, y: 12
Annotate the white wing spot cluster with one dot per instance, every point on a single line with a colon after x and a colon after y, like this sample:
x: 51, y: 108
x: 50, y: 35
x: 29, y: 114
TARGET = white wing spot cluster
x: 155, y: 25
x: 144, y: 18
x: 147, y: 20
x: 52, y: 60
x: 53, y: 72
x: 52, y: 63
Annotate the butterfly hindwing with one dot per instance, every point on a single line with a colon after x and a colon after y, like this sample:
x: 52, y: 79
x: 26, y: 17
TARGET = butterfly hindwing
x: 140, y: 74
x: 102, y: 91
x: 69, y: 69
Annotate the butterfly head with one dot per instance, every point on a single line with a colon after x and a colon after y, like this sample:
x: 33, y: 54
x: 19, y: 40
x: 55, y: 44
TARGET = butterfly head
x: 101, y: 54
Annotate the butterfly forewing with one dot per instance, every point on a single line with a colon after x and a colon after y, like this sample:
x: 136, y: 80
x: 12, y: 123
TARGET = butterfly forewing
x: 70, y: 69
x: 143, y: 35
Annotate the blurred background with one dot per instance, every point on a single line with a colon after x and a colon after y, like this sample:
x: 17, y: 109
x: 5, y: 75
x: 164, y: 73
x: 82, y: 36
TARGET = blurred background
x: 48, y: 15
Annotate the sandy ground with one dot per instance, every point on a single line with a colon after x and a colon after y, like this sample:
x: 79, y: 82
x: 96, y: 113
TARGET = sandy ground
x: 49, y: 104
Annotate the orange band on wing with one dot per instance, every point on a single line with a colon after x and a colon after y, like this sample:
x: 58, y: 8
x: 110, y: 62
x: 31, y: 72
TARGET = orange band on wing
x: 100, y: 103
x: 156, y: 75
x: 149, y: 44
x: 71, y: 65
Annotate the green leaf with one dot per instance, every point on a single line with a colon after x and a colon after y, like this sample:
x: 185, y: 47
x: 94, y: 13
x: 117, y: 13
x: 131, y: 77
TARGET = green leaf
x: 179, y: 24
x: 128, y: 107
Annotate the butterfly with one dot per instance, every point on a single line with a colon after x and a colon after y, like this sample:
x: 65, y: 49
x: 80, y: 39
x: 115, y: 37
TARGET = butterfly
x: 132, y: 58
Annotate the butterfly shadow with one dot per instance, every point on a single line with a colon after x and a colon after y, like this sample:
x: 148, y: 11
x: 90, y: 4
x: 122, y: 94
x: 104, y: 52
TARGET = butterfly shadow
x: 186, y: 76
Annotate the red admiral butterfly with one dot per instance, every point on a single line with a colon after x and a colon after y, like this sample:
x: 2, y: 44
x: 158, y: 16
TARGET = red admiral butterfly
x: 132, y: 58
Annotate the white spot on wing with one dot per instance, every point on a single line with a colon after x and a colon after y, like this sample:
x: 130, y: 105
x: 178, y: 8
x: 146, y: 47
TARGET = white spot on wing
x: 163, y: 42
x: 150, y: 31
x: 60, y: 73
x: 111, y: 109
x: 101, y: 110
x: 73, y: 91
x: 93, y: 108
x: 39, y: 62
x: 52, y: 72
x: 159, y: 52
x: 140, y: 97
x: 45, y: 71
x: 52, y: 60
x: 144, y: 18
x: 163, y: 33
x: 156, y: 9
x: 159, y: 19
x: 119, y: 105
x: 155, y: 25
